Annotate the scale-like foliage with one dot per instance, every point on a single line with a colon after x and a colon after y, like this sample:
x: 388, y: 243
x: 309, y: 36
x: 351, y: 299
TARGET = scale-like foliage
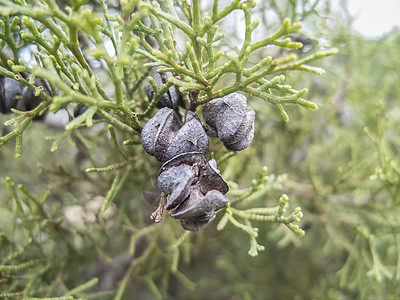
x: 81, y: 228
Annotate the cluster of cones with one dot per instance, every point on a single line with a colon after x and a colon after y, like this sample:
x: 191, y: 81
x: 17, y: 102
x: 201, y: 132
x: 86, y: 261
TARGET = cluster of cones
x: 196, y: 189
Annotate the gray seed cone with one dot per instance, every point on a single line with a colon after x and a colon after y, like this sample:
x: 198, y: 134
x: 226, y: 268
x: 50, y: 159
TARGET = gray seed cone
x: 195, y: 159
x: 11, y: 94
x: 197, y: 211
x: 30, y: 101
x: 191, y: 137
x: 244, y: 135
x: 14, y: 94
x: 176, y: 182
x: 158, y: 132
x: 225, y: 114
x: 172, y: 98
x: 165, y: 136
x: 210, y: 179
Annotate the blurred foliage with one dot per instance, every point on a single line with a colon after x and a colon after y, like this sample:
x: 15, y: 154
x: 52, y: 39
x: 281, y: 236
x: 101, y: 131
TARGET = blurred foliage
x: 339, y: 163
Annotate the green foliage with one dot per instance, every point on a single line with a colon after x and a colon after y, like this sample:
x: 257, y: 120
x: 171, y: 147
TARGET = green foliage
x: 74, y: 217
x: 179, y: 37
x: 364, y: 191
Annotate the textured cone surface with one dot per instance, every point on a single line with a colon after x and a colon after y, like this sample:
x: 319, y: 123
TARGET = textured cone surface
x: 191, y: 137
x: 242, y: 144
x: 164, y: 99
x: 3, y: 107
x: 12, y: 93
x: 194, y: 159
x: 210, y: 179
x: 151, y: 128
x: 165, y: 136
x: 175, y: 96
x: 198, y: 211
x: 225, y: 114
x: 31, y: 101
x: 171, y: 98
x: 176, y: 182
x: 192, y: 206
x: 158, y: 132
x: 196, y: 224
x: 199, y: 206
x: 194, y: 199
x: 244, y: 135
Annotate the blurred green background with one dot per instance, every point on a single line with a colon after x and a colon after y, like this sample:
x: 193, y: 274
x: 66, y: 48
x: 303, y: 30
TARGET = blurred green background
x: 342, y: 168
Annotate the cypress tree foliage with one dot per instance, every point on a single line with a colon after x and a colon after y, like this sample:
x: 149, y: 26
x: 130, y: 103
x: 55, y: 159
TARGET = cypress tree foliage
x: 76, y: 205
